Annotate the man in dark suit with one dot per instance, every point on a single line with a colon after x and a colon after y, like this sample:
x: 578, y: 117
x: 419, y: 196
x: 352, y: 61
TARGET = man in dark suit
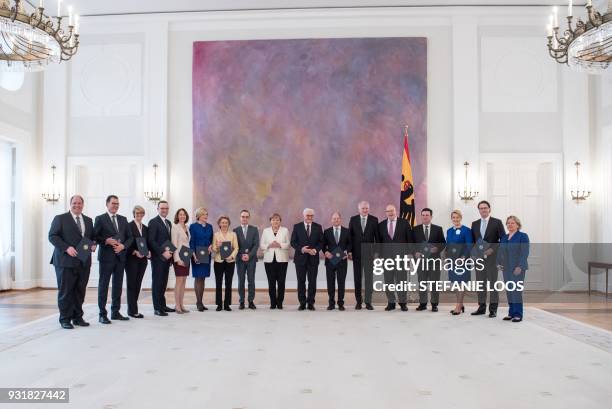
x: 394, y: 230
x: 336, y: 238
x: 161, y: 259
x: 66, y: 232
x: 246, y: 260
x: 307, y: 241
x: 491, y: 230
x: 429, y: 241
x: 363, y: 228
x: 111, y: 230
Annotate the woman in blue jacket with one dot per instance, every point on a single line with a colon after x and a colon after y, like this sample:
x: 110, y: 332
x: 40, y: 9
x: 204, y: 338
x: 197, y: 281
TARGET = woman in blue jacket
x: 512, y: 260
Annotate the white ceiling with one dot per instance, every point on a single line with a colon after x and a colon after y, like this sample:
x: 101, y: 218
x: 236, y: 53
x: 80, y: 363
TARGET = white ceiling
x: 113, y: 7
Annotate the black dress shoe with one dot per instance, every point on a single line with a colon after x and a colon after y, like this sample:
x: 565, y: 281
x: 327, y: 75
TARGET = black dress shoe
x: 403, y: 306
x: 311, y: 307
x: 118, y: 316
x: 219, y: 308
x: 137, y: 315
x: 421, y: 307
x: 302, y: 307
x: 200, y: 307
x: 80, y: 322
x: 508, y: 318
x: 341, y: 307
x: 358, y: 306
x: 161, y: 313
x: 279, y: 306
x: 517, y: 319
x: 168, y: 309
x: 480, y: 311
x: 241, y: 307
x: 330, y: 307
x: 390, y: 306
x: 493, y: 314
x: 104, y: 319
x: 434, y: 308
x: 66, y: 325
x: 369, y: 306
x: 252, y: 305
x: 227, y: 308
x: 273, y: 306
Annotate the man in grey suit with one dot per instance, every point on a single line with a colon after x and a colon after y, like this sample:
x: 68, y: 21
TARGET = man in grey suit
x: 246, y: 260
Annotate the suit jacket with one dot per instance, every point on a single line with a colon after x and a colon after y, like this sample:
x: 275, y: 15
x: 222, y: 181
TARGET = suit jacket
x: 369, y: 235
x: 329, y: 243
x: 136, y: 233
x: 282, y: 238
x: 250, y: 243
x: 103, y: 229
x: 65, y: 233
x: 179, y: 238
x: 299, y: 239
x: 402, y: 233
x: 495, y: 231
x: 157, y: 235
x: 436, y: 236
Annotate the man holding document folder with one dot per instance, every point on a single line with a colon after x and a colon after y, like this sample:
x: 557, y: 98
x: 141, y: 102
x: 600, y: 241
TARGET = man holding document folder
x: 71, y: 234
x: 336, y: 246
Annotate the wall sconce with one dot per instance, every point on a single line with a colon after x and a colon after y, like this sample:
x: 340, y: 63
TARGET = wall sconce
x: 467, y: 195
x: 155, y: 194
x: 579, y: 192
x: 52, y: 194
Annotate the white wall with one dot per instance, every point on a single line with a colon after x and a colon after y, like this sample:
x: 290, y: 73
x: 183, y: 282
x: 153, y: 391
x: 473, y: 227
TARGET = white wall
x: 491, y: 90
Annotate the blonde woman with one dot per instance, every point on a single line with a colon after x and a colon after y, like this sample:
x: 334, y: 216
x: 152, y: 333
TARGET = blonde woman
x: 224, y: 267
x: 458, y: 246
x: 180, y: 238
x: 201, y: 236
x: 512, y: 260
x: 275, y: 245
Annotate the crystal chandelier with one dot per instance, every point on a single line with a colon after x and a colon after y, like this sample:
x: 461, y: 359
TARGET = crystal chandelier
x: 584, y: 46
x: 154, y: 194
x: 30, y: 40
x: 579, y: 192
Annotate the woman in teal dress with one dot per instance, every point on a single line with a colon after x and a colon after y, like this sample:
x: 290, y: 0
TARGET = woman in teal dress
x: 458, y: 246
x: 201, y: 236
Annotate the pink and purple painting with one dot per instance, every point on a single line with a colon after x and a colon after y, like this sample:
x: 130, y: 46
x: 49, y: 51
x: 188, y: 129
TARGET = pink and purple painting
x: 280, y: 125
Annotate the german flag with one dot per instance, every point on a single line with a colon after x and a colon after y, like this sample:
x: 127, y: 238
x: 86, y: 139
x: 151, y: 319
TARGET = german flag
x: 407, y: 208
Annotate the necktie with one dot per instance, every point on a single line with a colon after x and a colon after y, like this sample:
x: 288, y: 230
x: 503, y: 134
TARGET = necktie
x: 363, y: 224
x: 244, y: 231
x: 426, y: 233
x: 308, y: 230
x: 391, y: 228
x: 78, y: 220
x: 337, y: 235
x: 483, y: 227
x: 115, y: 224
x: 168, y: 226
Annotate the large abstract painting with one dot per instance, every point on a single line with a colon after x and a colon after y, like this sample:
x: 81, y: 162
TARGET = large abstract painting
x: 280, y: 125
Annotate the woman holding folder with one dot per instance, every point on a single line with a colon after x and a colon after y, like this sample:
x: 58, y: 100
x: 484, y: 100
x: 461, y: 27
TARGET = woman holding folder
x: 225, y: 247
x: 201, y: 244
x: 180, y: 240
x: 136, y: 261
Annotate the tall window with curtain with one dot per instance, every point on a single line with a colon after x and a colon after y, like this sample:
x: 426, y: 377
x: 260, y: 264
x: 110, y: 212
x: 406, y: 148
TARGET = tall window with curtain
x: 7, y: 213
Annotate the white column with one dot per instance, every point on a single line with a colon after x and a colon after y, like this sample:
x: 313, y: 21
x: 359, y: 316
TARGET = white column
x: 466, y: 93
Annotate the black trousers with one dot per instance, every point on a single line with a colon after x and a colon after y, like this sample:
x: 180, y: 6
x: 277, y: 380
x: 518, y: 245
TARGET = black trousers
x: 336, y: 272
x: 134, y: 272
x: 71, y: 287
x: 432, y: 274
x: 115, y: 271
x: 277, y: 273
x: 159, y: 282
x: 306, y: 271
x: 223, y: 269
x: 488, y: 275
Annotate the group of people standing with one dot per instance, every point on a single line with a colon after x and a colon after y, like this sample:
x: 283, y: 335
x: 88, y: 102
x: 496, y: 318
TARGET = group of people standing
x: 126, y: 247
